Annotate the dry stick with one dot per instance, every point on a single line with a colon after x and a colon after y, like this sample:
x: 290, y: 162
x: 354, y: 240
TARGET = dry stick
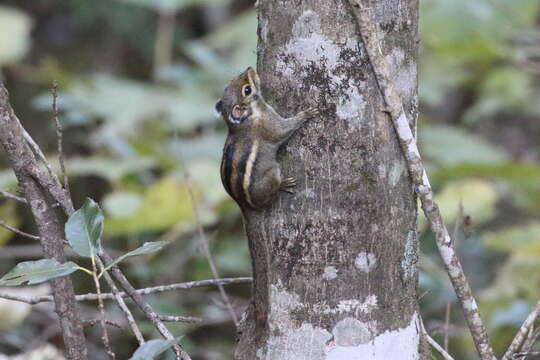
x: 447, y: 324
x: 527, y: 346
x: 13, y: 197
x: 146, y: 309
x: 104, y: 334
x: 121, y: 303
x: 444, y: 353
x: 93, y: 322
x: 59, y: 137
x: 420, y: 180
x: 36, y: 186
x: 204, y: 242
x: 17, y: 231
x: 185, y: 319
x: 206, y: 250
x: 32, y: 300
x: 522, y: 332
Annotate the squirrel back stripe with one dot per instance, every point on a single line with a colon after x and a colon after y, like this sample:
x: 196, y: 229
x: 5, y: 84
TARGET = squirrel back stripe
x: 248, y: 175
x: 238, y: 184
x: 227, y: 167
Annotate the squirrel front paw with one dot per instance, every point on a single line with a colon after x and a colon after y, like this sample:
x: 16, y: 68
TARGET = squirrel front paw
x: 311, y: 112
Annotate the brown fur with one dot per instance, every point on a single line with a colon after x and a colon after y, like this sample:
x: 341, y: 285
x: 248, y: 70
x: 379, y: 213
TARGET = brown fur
x: 249, y: 169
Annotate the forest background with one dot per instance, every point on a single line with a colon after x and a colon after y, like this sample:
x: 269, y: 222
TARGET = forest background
x: 138, y: 80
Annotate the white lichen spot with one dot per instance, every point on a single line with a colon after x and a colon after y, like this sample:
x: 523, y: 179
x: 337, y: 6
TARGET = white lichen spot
x: 349, y: 306
x: 399, y: 344
x: 365, y: 261
x: 410, y: 257
x: 309, y: 46
x: 470, y: 304
x: 381, y: 170
x: 396, y: 171
x: 304, y: 343
x: 374, y: 228
x: 352, y: 332
x: 352, y: 104
x: 447, y: 254
x: 330, y: 273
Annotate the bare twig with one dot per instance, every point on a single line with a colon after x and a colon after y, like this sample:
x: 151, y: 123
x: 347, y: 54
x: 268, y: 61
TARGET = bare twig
x: 146, y: 291
x: 59, y: 137
x: 526, y: 355
x: 185, y: 319
x: 522, y: 332
x: 101, y: 307
x: 447, y: 325
x: 205, y: 246
x: 121, y: 303
x: 93, y: 322
x: 17, y: 231
x: 36, y: 186
x: 143, y: 305
x: 529, y: 343
x: 420, y: 180
x: 444, y: 353
x: 11, y: 196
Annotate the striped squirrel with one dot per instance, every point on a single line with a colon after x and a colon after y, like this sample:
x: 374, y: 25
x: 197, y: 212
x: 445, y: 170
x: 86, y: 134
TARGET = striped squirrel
x: 249, y: 169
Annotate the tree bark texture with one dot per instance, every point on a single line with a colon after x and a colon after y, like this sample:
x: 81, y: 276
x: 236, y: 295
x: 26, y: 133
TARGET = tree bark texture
x: 48, y: 221
x: 335, y: 264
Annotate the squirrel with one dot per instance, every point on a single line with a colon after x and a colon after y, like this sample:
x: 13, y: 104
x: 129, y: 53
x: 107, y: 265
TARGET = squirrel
x: 250, y: 172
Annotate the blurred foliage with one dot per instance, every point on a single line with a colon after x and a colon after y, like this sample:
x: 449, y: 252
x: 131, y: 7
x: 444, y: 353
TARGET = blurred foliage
x: 138, y: 130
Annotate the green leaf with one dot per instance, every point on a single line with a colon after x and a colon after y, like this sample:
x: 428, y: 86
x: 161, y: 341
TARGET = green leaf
x: 163, y: 204
x: 15, y: 38
x: 35, y: 272
x: 84, y: 228
x: 518, y: 239
x: 146, y: 248
x: 448, y: 146
x: 151, y: 349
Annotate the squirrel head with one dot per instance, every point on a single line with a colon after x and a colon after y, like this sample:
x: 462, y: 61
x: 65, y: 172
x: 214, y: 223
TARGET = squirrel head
x: 242, y: 91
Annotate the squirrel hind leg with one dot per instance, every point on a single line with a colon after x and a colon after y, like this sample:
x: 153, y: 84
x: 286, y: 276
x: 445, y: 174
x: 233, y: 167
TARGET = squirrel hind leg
x: 265, y: 189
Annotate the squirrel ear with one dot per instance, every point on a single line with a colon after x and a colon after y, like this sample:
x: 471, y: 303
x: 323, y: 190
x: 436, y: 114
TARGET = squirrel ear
x: 219, y: 108
x: 253, y: 78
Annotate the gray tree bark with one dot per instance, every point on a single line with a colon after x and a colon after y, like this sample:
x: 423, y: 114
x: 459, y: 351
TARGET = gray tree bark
x: 335, y: 264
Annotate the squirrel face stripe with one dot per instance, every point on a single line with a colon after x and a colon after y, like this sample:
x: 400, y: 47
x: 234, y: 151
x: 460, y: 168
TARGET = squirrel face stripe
x: 249, y: 170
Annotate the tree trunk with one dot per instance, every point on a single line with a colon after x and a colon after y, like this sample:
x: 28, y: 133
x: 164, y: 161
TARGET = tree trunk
x: 335, y: 264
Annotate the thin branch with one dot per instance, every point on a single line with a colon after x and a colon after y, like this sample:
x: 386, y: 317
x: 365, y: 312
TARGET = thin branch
x: 36, y: 186
x: 93, y: 322
x: 185, y: 319
x: 447, y: 325
x: 59, y: 137
x: 101, y: 307
x: 204, y: 244
x: 17, y: 231
x: 11, y: 196
x: 420, y: 180
x: 32, y: 300
x: 444, y: 353
x: 438, y: 347
x: 529, y: 343
x: 522, y: 332
x: 143, y: 305
x: 121, y: 303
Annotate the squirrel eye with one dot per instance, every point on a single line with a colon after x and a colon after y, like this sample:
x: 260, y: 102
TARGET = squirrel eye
x: 246, y: 90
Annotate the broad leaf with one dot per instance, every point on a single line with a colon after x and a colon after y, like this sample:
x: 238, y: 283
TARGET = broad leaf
x: 35, y: 272
x: 146, y: 248
x: 151, y: 349
x: 84, y: 228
